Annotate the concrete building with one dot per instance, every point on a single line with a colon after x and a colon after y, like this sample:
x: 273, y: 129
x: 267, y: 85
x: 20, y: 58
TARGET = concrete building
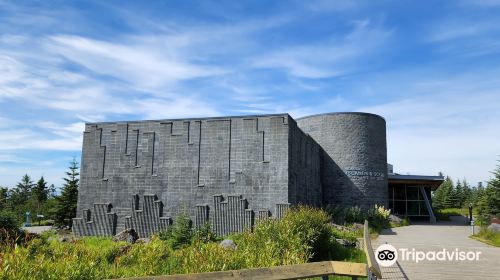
x: 232, y: 171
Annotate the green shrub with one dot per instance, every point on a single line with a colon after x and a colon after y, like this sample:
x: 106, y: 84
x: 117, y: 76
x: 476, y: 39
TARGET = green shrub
x: 8, y: 221
x: 355, y: 215
x: 10, y: 233
x: 180, y: 233
x: 378, y: 218
x: 487, y: 236
x: 350, y: 235
x: 204, y: 234
x: 302, y: 235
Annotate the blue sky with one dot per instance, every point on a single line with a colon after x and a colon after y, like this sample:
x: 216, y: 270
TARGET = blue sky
x: 431, y: 68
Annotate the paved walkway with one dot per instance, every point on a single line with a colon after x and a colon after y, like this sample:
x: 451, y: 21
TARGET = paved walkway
x: 444, y: 235
x: 37, y: 229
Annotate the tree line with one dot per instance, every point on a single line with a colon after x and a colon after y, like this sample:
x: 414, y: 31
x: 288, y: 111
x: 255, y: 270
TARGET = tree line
x: 486, y: 199
x: 40, y: 198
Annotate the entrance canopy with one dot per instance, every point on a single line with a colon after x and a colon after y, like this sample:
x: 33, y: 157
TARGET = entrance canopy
x: 415, y: 180
x: 410, y: 195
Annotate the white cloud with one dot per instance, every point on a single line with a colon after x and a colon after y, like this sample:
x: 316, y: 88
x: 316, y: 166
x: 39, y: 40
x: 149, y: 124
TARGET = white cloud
x: 336, y: 57
x: 137, y: 60
x: 451, y: 126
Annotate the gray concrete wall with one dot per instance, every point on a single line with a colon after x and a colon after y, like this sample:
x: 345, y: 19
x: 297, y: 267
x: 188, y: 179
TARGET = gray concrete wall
x: 354, y: 158
x: 227, y: 171
x: 304, y: 168
x: 197, y: 166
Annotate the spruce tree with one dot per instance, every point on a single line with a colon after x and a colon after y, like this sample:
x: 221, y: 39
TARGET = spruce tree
x: 40, y: 193
x: 458, y: 195
x: 3, y: 198
x: 23, y: 190
x: 467, y: 193
x: 443, y: 195
x: 66, y: 203
x: 493, y: 194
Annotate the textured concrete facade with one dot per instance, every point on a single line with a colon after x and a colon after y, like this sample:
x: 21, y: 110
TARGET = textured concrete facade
x: 227, y: 172
x: 354, y: 157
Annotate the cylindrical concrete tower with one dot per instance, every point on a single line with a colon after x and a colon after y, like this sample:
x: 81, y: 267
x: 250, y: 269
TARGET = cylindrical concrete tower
x: 354, y: 158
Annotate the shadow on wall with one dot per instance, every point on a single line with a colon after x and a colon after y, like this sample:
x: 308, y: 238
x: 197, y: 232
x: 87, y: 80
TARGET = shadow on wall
x: 338, y: 189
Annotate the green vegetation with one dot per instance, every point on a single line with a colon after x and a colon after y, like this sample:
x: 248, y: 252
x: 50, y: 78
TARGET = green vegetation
x: 40, y: 199
x: 65, y: 208
x: 378, y: 217
x: 444, y: 214
x: 403, y: 223
x: 303, y: 235
x: 488, y: 237
x: 450, y: 199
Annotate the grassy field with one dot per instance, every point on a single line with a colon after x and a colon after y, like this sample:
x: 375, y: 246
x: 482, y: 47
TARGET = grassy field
x: 444, y: 214
x: 303, y: 235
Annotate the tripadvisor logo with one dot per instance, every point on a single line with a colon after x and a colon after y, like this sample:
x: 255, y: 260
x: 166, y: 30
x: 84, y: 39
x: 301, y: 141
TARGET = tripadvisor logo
x: 387, y: 255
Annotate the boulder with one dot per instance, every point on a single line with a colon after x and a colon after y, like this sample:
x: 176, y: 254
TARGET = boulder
x: 341, y: 227
x: 128, y: 235
x: 144, y: 240
x: 65, y: 239
x: 494, y: 227
x: 345, y: 243
x: 357, y: 226
x: 395, y: 219
x: 228, y: 244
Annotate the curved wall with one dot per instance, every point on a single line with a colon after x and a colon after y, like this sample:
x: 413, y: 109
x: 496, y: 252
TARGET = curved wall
x: 354, y: 157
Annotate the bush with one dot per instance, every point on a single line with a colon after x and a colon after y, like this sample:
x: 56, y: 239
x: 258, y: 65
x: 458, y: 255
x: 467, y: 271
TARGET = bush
x: 204, y: 234
x: 378, y: 217
x: 10, y: 233
x: 488, y: 236
x: 8, y: 221
x: 180, y: 233
x: 302, y: 235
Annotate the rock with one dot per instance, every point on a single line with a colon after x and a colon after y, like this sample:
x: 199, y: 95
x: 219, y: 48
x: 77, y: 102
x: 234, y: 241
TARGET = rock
x: 345, y: 243
x: 494, y: 227
x: 395, y: 219
x: 358, y: 226
x: 228, y: 244
x: 144, y: 240
x: 341, y: 227
x: 64, y: 239
x: 128, y: 235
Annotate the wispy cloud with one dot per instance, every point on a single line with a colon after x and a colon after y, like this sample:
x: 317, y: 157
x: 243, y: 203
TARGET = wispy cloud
x: 439, y: 126
x: 64, y: 65
x: 335, y: 57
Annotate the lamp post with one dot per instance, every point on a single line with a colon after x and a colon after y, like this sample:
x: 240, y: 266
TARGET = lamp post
x: 27, y: 224
x: 470, y: 212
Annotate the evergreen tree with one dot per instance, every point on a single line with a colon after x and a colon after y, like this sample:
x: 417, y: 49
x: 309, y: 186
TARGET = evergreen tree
x: 492, y: 193
x: 449, y: 193
x: 443, y: 195
x: 458, y: 195
x: 467, y: 193
x: 23, y: 190
x: 66, y: 203
x: 477, y: 193
x: 52, y: 191
x: 40, y: 192
x: 3, y: 198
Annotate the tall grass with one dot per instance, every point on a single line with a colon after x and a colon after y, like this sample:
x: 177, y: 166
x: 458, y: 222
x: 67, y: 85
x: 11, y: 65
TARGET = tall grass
x: 488, y: 236
x: 302, y: 235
